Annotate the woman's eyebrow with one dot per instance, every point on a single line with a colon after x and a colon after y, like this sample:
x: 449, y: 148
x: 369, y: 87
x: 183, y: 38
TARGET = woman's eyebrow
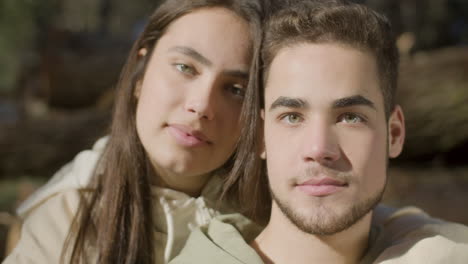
x: 205, y: 61
x: 237, y: 74
x: 192, y: 53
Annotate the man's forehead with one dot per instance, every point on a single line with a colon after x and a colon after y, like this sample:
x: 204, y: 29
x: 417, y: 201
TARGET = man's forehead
x: 325, y: 72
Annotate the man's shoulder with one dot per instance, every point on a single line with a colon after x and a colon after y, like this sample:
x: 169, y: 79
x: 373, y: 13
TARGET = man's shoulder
x: 434, y: 249
x: 408, y: 235
x: 223, y: 240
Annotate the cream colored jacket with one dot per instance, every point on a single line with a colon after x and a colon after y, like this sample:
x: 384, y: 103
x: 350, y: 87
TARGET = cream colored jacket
x: 398, y: 236
x: 48, y: 213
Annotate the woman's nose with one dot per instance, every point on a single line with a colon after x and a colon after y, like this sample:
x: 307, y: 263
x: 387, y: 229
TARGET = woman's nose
x: 201, y: 101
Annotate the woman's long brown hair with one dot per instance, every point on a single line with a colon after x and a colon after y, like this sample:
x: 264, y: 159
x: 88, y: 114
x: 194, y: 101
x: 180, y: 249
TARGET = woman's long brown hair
x: 114, y: 222
x: 247, y: 184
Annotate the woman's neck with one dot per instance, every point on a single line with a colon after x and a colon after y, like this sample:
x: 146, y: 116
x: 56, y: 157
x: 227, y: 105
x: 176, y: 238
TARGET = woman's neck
x: 191, y: 185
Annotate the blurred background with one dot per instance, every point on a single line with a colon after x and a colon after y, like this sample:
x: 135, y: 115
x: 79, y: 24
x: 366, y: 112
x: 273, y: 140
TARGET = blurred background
x: 60, y: 60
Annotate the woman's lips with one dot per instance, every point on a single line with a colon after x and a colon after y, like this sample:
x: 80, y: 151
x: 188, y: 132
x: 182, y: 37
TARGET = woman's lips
x: 321, y: 186
x: 186, y: 136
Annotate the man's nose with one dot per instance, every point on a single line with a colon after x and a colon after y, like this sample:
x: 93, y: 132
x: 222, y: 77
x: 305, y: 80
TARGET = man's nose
x: 320, y: 144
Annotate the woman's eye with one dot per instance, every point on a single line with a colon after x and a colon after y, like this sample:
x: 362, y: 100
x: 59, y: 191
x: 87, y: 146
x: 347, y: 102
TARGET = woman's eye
x: 237, y: 90
x: 350, y: 118
x: 292, y: 118
x: 184, y: 68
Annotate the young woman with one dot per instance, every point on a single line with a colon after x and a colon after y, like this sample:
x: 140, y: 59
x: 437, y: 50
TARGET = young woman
x: 135, y: 197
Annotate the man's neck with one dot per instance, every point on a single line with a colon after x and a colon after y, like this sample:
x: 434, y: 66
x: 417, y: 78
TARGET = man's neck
x: 282, y: 242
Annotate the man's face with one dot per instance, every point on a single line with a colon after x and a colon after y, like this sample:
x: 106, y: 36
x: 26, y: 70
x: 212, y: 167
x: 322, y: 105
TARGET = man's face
x: 326, y: 135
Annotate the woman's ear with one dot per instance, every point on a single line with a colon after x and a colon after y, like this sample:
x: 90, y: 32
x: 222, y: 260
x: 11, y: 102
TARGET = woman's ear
x: 137, y: 90
x: 396, y: 132
x: 142, y: 52
x: 262, y: 138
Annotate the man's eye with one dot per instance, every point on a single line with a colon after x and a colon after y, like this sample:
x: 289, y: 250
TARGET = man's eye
x: 350, y: 118
x: 292, y: 118
x: 184, y: 68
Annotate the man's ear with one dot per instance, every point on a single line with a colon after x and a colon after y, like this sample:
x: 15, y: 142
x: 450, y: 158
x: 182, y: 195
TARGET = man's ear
x: 262, y: 146
x: 396, y: 132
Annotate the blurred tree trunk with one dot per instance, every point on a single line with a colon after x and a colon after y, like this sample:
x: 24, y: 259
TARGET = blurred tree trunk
x: 433, y: 91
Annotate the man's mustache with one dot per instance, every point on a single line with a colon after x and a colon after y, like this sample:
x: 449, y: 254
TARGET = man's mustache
x: 317, y: 171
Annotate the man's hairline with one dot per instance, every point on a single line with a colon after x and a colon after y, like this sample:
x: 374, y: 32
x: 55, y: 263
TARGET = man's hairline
x: 299, y: 41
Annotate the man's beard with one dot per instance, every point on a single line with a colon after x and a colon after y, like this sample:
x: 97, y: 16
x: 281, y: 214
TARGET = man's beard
x: 326, y: 221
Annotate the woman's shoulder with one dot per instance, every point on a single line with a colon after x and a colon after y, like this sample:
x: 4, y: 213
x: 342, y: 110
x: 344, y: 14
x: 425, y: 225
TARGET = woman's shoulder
x: 72, y: 177
x: 44, y: 229
x: 406, y: 235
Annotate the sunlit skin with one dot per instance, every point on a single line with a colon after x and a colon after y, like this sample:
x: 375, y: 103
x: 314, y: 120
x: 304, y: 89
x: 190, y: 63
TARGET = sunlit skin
x: 326, y: 147
x: 190, y: 98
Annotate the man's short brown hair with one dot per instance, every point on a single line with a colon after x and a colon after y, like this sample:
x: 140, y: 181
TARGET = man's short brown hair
x: 334, y: 21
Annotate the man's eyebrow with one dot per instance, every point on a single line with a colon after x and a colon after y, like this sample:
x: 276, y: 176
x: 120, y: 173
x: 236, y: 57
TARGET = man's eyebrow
x: 352, y: 101
x: 288, y: 102
x: 192, y: 53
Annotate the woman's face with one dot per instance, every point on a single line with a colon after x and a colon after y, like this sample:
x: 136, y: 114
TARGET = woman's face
x: 190, y: 98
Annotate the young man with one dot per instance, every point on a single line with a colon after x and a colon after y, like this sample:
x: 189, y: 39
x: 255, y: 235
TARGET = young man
x: 330, y: 125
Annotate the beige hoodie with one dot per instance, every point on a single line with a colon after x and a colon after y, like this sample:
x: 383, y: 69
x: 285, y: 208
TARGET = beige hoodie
x: 48, y: 213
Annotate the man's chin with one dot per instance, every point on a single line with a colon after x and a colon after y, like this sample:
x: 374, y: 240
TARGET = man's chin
x: 326, y: 220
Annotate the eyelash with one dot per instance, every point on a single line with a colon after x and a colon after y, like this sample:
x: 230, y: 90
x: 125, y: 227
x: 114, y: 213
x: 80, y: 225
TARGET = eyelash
x: 283, y: 118
x: 192, y: 72
x: 192, y: 69
x: 234, y: 87
x: 361, y: 118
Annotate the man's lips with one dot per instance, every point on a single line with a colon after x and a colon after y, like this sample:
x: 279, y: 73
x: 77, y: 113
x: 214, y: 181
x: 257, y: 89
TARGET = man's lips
x: 187, y: 136
x: 321, y: 186
x: 323, y: 181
